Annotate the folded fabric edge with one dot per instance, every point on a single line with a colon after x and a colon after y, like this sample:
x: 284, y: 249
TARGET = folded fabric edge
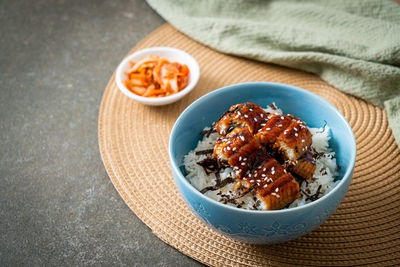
x: 393, y: 104
x: 392, y: 107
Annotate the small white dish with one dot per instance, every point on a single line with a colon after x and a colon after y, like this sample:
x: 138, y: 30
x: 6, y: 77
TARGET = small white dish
x: 169, y: 53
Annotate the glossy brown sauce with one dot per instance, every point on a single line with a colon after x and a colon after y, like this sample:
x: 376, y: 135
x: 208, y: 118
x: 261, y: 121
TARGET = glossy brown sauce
x: 249, y: 137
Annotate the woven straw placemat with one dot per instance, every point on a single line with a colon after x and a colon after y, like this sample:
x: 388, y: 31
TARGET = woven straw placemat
x: 133, y: 142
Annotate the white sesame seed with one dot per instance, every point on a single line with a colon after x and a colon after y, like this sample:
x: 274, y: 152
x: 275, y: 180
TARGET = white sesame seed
x: 265, y: 185
x: 250, y: 109
x: 234, y: 149
x: 278, y: 196
x: 268, y: 129
x: 273, y: 172
x: 255, y: 175
x: 302, y: 140
x: 240, y: 158
x: 245, y: 115
x: 296, y: 134
x: 228, y: 148
x: 284, y: 170
x: 263, y: 175
x: 255, y: 119
x: 264, y: 169
x: 282, y: 117
x: 277, y: 189
x: 258, y: 181
x: 241, y: 137
x: 250, y: 175
x: 251, y: 181
x: 242, y: 163
x: 295, y: 128
x: 263, y: 124
x: 280, y: 125
x: 262, y: 115
x: 245, y: 159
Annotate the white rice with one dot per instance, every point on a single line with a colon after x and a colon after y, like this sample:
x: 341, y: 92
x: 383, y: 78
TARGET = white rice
x: 324, y: 176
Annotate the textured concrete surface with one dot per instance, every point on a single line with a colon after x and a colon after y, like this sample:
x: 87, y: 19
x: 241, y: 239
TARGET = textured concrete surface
x: 57, y: 204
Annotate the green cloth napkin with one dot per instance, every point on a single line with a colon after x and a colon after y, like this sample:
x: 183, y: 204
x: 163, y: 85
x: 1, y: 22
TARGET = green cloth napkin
x: 352, y: 44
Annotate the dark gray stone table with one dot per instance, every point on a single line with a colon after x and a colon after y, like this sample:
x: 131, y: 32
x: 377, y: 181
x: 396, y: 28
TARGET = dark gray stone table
x: 57, y: 204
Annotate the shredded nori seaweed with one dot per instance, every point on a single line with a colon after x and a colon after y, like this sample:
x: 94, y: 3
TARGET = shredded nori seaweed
x: 227, y: 199
x: 246, y: 192
x: 314, y: 196
x: 217, y: 186
x: 272, y: 106
x: 323, y: 127
x: 209, y: 165
x: 209, y: 131
x: 204, y: 152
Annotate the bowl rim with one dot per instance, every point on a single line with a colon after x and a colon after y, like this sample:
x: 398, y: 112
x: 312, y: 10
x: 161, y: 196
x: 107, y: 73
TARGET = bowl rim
x: 346, y: 176
x: 193, y: 67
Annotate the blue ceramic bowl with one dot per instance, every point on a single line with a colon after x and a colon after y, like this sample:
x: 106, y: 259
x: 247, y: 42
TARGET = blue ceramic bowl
x: 262, y: 227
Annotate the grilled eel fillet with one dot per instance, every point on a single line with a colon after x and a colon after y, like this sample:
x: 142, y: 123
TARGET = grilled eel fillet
x: 272, y: 183
x: 290, y: 137
x: 235, y: 149
x: 256, y: 169
x: 285, y: 134
x: 245, y: 128
x: 304, y: 166
x: 246, y: 116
